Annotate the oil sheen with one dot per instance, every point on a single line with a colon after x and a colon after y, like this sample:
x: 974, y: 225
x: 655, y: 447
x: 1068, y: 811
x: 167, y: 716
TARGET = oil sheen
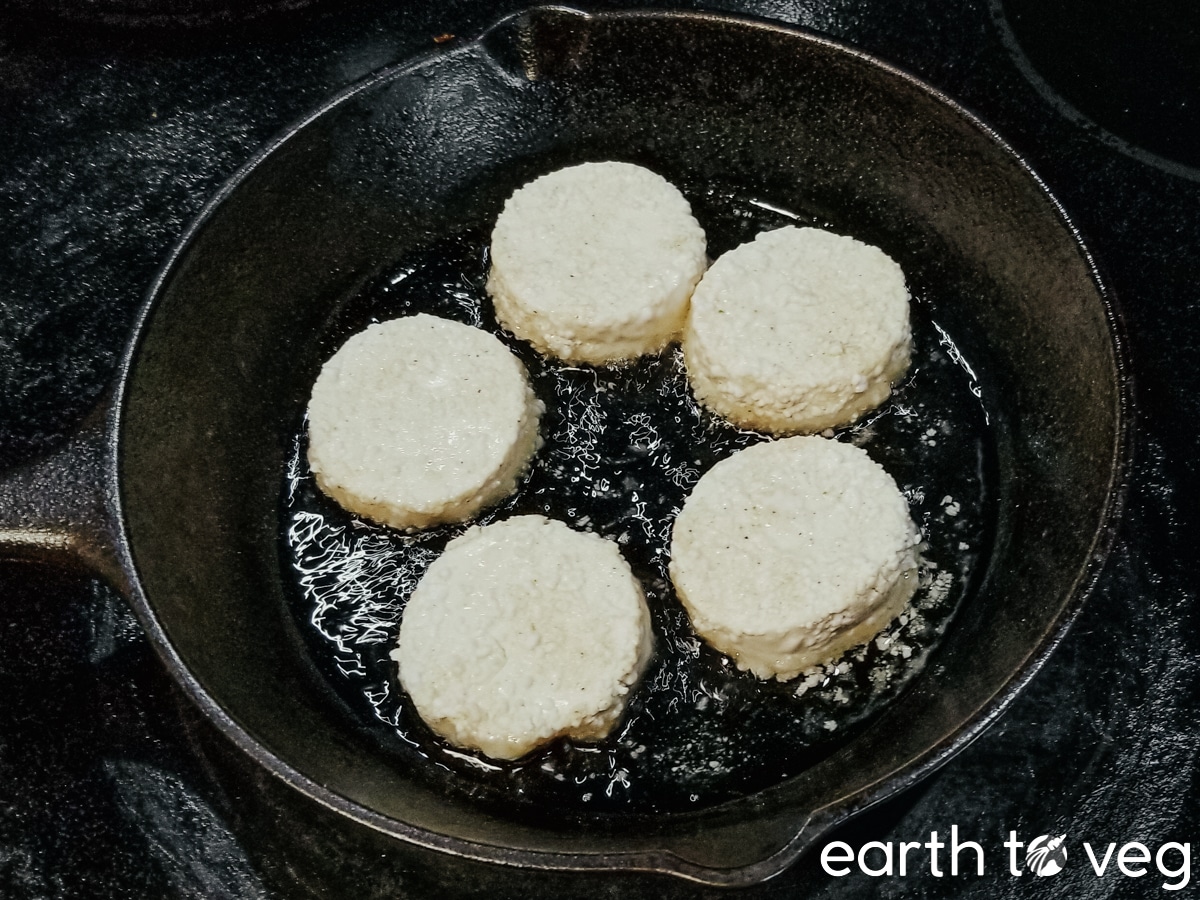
x: 623, y: 447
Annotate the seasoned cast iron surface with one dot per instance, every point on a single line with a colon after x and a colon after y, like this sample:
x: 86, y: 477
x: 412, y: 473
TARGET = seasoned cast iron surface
x: 111, y: 787
x: 624, y: 446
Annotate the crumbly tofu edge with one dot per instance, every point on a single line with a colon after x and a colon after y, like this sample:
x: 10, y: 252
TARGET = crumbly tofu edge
x: 753, y: 405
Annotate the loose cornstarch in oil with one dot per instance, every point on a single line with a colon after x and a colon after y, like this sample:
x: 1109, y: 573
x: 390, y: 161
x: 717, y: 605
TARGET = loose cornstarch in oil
x: 623, y: 447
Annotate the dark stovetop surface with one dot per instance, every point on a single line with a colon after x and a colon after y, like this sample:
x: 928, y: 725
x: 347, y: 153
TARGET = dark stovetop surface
x: 117, y: 129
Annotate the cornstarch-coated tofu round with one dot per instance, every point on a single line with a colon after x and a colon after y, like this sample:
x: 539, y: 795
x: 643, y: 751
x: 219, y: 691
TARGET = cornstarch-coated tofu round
x: 596, y: 263
x: 790, y: 552
x: 420, y: 421
x: 797, y: 331
x: 521, y: 632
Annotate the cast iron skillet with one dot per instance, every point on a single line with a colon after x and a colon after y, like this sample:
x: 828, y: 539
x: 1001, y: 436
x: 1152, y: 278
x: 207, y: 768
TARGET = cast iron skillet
x: 174, y: 492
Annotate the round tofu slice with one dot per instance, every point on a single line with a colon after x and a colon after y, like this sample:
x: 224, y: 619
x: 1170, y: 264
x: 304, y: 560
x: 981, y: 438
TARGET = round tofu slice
x: 420, y: 421
x: 521, y: 632
x: 797, y: 331
x: 790, y: 552
x: 596, y: 262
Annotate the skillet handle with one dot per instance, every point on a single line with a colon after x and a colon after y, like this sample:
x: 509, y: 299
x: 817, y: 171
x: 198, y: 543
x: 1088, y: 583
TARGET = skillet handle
x: 61, y: 509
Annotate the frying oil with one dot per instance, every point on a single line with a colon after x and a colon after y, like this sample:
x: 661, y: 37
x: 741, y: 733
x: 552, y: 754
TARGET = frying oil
x: 624, y: 445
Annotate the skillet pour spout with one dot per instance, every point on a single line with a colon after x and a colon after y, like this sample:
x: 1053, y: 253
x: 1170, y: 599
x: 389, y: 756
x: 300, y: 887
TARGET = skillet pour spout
x: 185, y: 469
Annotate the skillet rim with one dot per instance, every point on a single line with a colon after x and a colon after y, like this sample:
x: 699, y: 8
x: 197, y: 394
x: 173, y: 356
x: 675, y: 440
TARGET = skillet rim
x: 815, y: 822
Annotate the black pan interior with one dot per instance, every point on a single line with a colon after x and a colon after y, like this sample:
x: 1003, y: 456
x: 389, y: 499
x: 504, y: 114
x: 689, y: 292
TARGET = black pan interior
x: 244, y: 318
x: 624, y: 446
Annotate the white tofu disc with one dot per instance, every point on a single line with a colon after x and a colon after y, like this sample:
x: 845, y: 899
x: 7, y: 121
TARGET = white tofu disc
x: 420, y: 421
x: 520, y: 632
x: 790, y: 552
x: 797, y: 331
x: 596, y: 262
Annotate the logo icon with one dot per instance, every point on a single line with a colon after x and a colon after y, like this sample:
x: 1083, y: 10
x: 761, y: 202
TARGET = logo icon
x: 1046, y: 855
